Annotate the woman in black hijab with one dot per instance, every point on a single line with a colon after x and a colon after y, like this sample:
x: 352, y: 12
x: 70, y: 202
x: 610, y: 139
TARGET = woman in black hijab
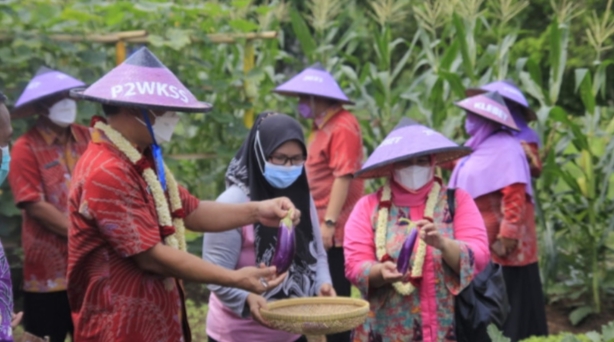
x: 269, y: 164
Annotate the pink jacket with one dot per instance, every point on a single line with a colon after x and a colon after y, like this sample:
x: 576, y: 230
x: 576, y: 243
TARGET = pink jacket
x: 430, y: 314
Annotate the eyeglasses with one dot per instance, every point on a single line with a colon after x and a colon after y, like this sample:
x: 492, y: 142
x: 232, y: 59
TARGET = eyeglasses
x: 283, y: 160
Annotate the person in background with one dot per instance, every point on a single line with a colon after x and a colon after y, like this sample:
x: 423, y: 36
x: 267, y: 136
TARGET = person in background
x: 269, y: 164
x: 8, y: 320
x: 127, y: 250
x: 496, y: 175
x: 45, y: 157
x: 335, y: 152
x: 518, y: 106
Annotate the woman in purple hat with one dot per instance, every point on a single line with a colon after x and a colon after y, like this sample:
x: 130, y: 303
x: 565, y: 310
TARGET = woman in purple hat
x: 415, y: 303
x: 518, y: 106
x: 335, y: 153
x: 269, y: 164
x: 497, y: 177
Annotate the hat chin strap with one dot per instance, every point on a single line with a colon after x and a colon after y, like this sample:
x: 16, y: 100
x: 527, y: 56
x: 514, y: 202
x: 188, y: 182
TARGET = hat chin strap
x: 156, y: 150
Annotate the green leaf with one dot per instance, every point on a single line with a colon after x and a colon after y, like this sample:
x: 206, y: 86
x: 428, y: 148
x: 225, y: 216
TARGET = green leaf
x: 594, y: 336
x: 301, y: 30
x: 585, y: 86
x: 461, y: 36
x: 241, y: 3
x: 535, y: 72
x: 82, y: 17
x: 455, y: 83
x: 579, y: 314
x: 243, y: 25
x: 559, y: 38
x: 450, y: 54
x: 607, y: 332
x: 496, y: 335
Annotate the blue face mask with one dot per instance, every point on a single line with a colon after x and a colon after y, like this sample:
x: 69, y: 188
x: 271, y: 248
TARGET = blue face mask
x: 4, y: 167
x: 279, y: 176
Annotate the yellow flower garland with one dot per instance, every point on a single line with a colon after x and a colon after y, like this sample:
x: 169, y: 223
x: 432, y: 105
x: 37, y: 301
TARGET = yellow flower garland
x: 176, y: 240
x: 382, y: 227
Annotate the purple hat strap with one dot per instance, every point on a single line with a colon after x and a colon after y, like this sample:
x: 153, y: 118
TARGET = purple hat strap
x: 157, y: 151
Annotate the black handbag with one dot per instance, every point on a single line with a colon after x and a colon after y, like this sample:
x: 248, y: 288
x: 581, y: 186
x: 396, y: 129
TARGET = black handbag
x: 482, y: 303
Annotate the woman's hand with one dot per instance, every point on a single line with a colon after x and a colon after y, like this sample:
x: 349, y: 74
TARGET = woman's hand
x: 327, y: 290
x: 15, y: 319
x: 389, y: 272
x: 255, y: 303
x: 450, y: 250
x: 509, y: 245
x: 430, y: 234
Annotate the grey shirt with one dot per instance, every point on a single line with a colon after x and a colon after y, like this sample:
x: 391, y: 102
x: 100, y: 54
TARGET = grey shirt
x: 224, y: 249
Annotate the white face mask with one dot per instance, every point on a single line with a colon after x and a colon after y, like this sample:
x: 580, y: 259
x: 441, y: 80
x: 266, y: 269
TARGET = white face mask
x: 63, y: 113
x: 413, y: 177
x: 164, y: 126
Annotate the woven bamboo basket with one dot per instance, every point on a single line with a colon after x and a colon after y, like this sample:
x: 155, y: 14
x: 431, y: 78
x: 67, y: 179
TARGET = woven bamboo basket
x: 316, y: 316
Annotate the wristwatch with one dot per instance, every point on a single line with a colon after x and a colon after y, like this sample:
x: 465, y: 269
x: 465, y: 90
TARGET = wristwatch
x: 330, y: 223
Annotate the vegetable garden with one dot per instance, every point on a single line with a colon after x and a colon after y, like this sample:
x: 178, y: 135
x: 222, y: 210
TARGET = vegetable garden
x: 395, y: 58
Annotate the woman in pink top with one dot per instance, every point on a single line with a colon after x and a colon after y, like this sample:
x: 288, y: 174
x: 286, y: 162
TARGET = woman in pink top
x: 450, y: 251
x: 269, y: 164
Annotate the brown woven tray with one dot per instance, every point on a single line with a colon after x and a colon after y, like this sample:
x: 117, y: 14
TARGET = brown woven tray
x: 316, y: 315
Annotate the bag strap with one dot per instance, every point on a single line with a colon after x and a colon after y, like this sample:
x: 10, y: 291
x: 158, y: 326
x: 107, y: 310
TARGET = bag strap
x: 451, y: 201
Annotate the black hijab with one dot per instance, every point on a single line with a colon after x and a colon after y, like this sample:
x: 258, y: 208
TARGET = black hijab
x: 244, y: 171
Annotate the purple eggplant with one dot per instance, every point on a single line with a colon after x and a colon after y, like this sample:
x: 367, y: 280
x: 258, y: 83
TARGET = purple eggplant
x: 286, y: 245
x: 406, y: 250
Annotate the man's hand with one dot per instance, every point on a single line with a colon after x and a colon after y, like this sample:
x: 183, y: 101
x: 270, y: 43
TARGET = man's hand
x: 258, y: 279
x: 270, y: 212
x: 327, y: 235
x: 255, y: 303
x: 327, y: 290
x: 16, y: 319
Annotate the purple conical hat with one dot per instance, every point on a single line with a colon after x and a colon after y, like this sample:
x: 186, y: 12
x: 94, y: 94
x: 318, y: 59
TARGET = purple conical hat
x: 408, y: 140
x: 45, y: 83
x: 490, y: 106
x: 142, y: 81
x: 510, y: 91
x: 316, y: 81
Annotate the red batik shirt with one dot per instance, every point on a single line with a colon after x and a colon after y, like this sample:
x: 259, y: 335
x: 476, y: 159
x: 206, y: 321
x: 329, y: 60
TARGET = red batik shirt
x: 509, y: 213
x: 113, y: 218
x: 41, y: 169
x: 335, y: 150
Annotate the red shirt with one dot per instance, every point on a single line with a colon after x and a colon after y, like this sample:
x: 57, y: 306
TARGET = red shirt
x: 113, y: 217
x: 335, y: 150
x: 41, y: 171
x: 509, y: 213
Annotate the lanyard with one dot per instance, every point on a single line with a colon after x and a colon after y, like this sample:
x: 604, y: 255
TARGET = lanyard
x: 157, y: 151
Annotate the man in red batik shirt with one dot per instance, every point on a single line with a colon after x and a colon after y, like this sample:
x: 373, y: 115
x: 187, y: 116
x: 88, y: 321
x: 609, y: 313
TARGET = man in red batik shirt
x: 43, y: 163
x: 126, y: 245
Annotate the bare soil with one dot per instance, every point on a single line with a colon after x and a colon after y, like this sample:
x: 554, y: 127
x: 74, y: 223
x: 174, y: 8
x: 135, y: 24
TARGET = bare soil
x: 558, y: 319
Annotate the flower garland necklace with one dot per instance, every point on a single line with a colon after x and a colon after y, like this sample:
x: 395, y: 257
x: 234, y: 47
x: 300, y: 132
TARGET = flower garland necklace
x: 167, y: 218
x: 382, y: 227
